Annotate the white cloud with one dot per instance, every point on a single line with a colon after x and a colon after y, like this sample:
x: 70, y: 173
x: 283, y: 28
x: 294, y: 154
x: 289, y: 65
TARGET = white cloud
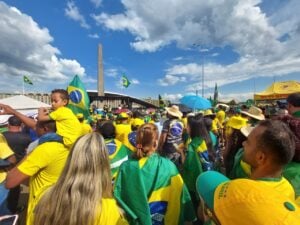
x: 174, y: 98
x: 178, y: 58
x: 22, y: 53
x: 94, y: 36
x: 111, y: 72
x: 215, y: 54
x: 155, y: 24
x: 73, y: 13
x: 244, y: 69
x: 97, y: 3
x: 135, y: 81
x: 237, y: 97
x: 246, y: 29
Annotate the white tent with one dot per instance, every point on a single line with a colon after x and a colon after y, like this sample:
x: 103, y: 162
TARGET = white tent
x: 25, y: 105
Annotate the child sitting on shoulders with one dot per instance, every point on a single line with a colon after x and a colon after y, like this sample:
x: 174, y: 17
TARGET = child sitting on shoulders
x: 67, y: 124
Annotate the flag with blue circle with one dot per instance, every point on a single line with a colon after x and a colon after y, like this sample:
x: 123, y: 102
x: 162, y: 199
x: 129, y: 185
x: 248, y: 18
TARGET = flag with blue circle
x: 79, y: 100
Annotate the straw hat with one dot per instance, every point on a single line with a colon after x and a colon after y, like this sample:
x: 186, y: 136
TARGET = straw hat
x: 254, y: 112
x: 247, y: 130
x: 174, y: 111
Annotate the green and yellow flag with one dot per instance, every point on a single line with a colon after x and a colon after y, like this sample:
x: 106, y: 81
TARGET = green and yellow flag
x: 125, y: 81
x: 161, y: 102
x: 159, y: 195
x: 79, y: 100
x: 27, y: 80
x: 118, y: 153
x: 193, y: 165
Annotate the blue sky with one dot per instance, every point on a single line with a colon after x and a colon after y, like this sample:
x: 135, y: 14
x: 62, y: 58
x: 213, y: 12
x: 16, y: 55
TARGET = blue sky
x: 160, y: 45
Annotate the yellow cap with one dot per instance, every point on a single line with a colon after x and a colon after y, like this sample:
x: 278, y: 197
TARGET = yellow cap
x: 237, y: 122
x: 245, y: 201
x: 208, y: 112
x: 123, y: 115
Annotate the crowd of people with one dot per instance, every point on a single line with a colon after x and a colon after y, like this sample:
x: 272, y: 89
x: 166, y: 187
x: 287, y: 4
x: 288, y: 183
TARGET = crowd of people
x: 216, y: 166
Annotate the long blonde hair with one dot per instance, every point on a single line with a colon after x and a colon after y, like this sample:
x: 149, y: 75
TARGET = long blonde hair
x: 76, y: 197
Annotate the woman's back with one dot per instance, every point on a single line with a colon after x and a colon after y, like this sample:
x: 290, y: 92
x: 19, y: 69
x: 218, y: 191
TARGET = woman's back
x: 83, y: 193
x: 150, y: 189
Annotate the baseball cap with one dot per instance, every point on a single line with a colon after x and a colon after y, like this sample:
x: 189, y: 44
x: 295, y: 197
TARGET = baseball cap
x: 245, y: 201
x: 123, y: 115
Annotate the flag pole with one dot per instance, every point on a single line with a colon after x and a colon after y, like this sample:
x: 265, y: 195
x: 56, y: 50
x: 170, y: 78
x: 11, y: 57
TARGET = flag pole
x: 23, y: 87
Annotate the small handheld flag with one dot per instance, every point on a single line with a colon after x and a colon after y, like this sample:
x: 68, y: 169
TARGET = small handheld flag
x: 27, y: 80
x: 125, y: 81
x: 79, y: 100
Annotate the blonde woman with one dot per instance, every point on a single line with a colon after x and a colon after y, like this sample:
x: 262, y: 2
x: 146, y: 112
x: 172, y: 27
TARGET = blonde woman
x: 149, y: 187
x: 83, y: 193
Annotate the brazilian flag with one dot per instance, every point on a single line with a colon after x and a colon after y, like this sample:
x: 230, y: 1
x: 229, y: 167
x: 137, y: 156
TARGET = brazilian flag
x: 27, y: 80
x: 79, y: 100
x: 161, y: 102
x: 125, y: 81
x: 192, y: 166
x: 118, y: 153
x: 151, y: 191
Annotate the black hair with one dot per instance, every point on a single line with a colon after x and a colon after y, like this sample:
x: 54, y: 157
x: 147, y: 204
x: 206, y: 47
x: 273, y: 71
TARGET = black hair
x: 278, y: 139
x: 294, y: 99
x: 14, y: 121
x: 63, y: 93
x: 50, y: 124
x: 107, y: 129
x: 198, y: 129
x: 234, y: 143
x: 208, y: 123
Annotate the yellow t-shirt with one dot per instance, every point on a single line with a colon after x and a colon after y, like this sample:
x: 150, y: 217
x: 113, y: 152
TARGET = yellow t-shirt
x: 5, y: 152
x: 122, y: 131
x: 185, y: 122
x: 221, y: 117
x: 110, y: 213
x: 85, y: 128
x: 282, y: 186
x: 214, y: 125
x: 67, y: 125
x: 44, y: 165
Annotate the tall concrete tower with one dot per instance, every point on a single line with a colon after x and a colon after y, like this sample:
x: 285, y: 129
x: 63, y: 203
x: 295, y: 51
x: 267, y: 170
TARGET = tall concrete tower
x: 100, y: 72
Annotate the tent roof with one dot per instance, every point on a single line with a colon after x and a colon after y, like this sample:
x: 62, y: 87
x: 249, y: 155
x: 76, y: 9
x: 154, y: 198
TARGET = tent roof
x: 278, y: 90
x: 22, y: 102
x: 25, y: 105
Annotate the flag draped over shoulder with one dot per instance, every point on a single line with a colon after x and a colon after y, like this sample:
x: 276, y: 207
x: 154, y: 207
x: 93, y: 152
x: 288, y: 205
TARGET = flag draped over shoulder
x: 125, y: 81
x: 151, y: 191
x: 192, y: 166
x: 27, y: 80
x: 79, y: 100
x: 118, y: 153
